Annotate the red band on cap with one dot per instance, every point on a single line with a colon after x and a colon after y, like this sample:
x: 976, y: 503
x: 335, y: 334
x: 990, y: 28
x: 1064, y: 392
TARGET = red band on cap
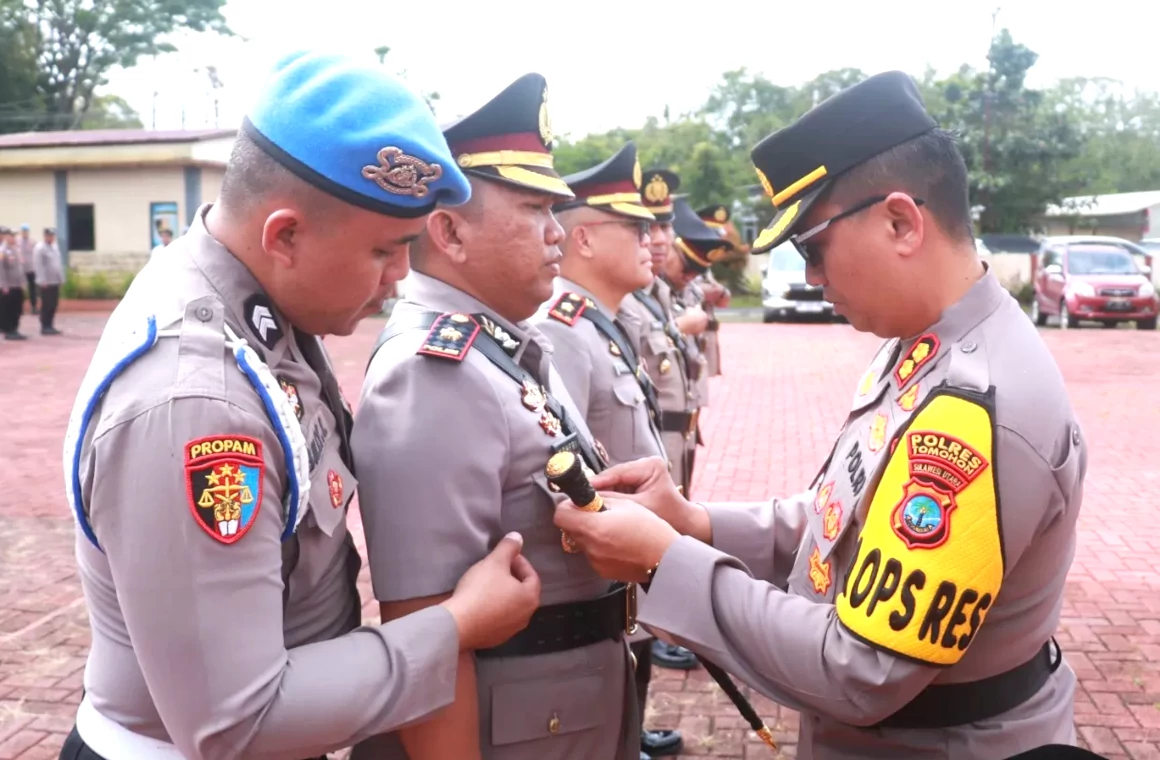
x: 529, y: 141
x: 607, y: 188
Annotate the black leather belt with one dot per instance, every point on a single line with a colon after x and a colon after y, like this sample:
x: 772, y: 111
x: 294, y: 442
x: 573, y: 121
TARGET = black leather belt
x: 679, y: 422
x: 571, y: 625
x: 954, y: 704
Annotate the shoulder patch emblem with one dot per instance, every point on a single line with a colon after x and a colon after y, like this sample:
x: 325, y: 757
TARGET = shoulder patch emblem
x: 568, y: 308
x: 877, y: 433
x: 334, y: 484
x: 450, y: 337
x: 922, y: 352
x: 823, y: 497
x: 929, y: 561
x: 223, y: 478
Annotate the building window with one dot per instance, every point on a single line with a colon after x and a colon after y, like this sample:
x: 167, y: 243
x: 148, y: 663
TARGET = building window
x: 82, y: 234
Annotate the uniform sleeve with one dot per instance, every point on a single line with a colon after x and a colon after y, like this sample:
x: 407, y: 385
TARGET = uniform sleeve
x: 765, y: 536
x: 205, y: 615
x: 571, y: 359
x: 927, y: 566
x: 430, y: 443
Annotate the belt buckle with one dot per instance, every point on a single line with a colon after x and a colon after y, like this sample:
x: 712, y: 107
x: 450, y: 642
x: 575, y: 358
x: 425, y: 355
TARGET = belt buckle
x: 630, y: 626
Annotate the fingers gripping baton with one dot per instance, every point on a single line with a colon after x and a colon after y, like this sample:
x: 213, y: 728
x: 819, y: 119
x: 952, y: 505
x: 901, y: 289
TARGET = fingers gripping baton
x: 566, y: 472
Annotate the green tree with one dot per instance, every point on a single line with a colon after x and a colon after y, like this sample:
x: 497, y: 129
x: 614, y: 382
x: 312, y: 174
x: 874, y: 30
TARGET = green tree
x: 21, y: 104
x: 76, y: 43
x: 110, y: 112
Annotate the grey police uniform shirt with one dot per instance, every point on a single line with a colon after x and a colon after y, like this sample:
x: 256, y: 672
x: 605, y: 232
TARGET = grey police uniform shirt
x: 690, y: 297
x: 11, y: 273
x: 49, y: 269
x: 666, y: 367
x: 958, y: 472
x: 217, y: 636
x: 450, y: 460
x: 711, y: 338
x: 599, y: 379
x: 25, y: 248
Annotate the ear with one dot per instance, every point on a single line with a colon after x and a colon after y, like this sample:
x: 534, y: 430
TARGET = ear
x: 582, y: 238
x: 445, y: 229
x: 280, y: 236
x: 907, y: 224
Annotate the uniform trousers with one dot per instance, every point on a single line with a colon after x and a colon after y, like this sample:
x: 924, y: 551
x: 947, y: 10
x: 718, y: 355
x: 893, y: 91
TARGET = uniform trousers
x: 49, y: 300
x: 11, y: 306
x: 31, y: 278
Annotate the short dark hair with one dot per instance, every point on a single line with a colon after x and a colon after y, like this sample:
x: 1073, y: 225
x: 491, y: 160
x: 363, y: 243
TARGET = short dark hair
x: 253, y: 176
x: 929, y: 167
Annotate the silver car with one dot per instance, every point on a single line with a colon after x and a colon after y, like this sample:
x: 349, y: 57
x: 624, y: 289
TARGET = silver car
x: 784, y: 292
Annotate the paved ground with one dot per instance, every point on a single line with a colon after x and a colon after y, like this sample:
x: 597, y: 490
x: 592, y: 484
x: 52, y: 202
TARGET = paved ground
x: 768, y: 427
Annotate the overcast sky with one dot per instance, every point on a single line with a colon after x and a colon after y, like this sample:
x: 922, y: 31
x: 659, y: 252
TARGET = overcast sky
x: 614, y: 62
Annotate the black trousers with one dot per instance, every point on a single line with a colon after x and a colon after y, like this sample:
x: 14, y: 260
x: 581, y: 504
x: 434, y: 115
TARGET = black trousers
x: 11, y: 305
x: 643, y: 674
x: 31, y: 278
x: 75, y: 749
x: 49, y: 300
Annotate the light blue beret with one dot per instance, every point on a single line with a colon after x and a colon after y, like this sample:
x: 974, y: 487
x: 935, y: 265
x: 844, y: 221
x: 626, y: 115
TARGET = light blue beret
x: 354, y: 131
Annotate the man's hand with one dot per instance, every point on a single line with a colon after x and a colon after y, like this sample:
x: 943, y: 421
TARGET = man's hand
x: 693, y: 321
x: 621, y: 543
x: 648, y: 483
x: 495, y: 598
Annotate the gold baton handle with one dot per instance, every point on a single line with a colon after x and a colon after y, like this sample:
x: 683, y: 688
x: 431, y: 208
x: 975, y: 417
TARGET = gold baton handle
x: 566, y: 472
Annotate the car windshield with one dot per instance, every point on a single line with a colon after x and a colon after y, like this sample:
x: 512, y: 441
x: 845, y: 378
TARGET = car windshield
x: 1090, y: 259
x: 785, y: 258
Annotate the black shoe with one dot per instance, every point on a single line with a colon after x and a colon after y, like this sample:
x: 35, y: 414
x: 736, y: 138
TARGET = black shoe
x: 49, y: 331
x: 15, y: 336
x: 670, y: 656
x: 658, y: 743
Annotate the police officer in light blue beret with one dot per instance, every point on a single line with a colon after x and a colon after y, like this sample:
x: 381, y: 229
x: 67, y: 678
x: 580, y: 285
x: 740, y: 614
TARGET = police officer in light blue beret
x: 208, y: 465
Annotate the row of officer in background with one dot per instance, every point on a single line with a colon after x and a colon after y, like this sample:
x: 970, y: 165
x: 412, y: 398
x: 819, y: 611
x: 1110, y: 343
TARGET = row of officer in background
x: 210, y: 457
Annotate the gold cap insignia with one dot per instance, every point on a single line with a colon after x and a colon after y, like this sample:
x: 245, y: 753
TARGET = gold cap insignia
x: 545, y: 121
x: 721, y: 214
x: 768, y: 188
x: 636, y: 178
x: 717, y: 254
x: 401, y: 174
x: 656, y: 190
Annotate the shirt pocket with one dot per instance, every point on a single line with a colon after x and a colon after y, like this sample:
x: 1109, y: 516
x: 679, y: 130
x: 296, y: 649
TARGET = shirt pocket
x: 331, y: 487
x: 529, y: 710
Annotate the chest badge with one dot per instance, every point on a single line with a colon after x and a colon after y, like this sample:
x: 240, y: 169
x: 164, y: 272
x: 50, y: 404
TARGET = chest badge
x: 877, y: 433
x: 665, y: 365
x: 334, y: 483
x: 820, y: 575
x: 291, y: 391
x: 532, y: 396
x: 550, y: 423
x: 823, y: 497
x: 832, y: 521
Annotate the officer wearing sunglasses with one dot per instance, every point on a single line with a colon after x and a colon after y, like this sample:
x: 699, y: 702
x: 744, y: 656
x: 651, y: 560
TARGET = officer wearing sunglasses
x: 905, y: 600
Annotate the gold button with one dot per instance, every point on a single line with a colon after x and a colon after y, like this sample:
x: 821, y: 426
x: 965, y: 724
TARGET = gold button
x: 554, y: 724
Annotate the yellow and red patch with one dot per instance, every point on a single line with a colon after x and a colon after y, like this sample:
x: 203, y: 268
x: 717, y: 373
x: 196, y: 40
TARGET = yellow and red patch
x: 334, y: 484
x: 923, y: 350
x: 568, y: 308
x: 822, y: 497
x: 821, y: 576
x: 832, y: 521
x: 223, y: 480
x: 907, y: 401
x: 877, y: 433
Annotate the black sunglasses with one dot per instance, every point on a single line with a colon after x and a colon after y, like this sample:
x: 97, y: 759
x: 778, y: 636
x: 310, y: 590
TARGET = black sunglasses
x: 642, y: 227
x: 813, y: 257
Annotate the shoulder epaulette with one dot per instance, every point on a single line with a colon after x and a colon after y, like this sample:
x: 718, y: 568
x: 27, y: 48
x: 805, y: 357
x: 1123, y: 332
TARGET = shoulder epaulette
x: 450, y: 336
x: 568, y: 308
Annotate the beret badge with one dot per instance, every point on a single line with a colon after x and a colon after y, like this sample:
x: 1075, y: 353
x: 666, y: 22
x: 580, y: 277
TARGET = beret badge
x: 401, y: 174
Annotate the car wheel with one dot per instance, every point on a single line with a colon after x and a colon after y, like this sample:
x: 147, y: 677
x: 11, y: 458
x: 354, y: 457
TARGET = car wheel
x: 1146, y: 324
x: 1065, y: 318
x: 767, y: 316
x: 1109, y: 324
x: 1037, y: 315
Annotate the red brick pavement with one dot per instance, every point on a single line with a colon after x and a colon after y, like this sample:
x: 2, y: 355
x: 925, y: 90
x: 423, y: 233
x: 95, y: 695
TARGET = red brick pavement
x: 770, y: 423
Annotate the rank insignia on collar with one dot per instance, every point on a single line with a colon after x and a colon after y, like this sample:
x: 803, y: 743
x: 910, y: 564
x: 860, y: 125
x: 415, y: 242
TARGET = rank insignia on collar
x: 450, y: 337
x: 877, y: 433
x: 823, y: 497
x: 922, y: 352
x: 500, y: 335
x: 532, y: 396
x: 260, y: 318
x: 334, y: 484
x: 291, y: 391
x: 907, y: 401
x: 568, y: 308
x: 223, y: 479
x: 819, y: 572
x: 550, y: 423
x: 832, y: 521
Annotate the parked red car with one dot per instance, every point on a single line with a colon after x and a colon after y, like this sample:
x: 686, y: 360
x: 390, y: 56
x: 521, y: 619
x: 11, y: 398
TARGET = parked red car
x: 1096, y: 279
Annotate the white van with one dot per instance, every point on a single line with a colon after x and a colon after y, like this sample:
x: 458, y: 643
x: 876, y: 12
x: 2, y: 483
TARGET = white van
x: 784, y: 292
